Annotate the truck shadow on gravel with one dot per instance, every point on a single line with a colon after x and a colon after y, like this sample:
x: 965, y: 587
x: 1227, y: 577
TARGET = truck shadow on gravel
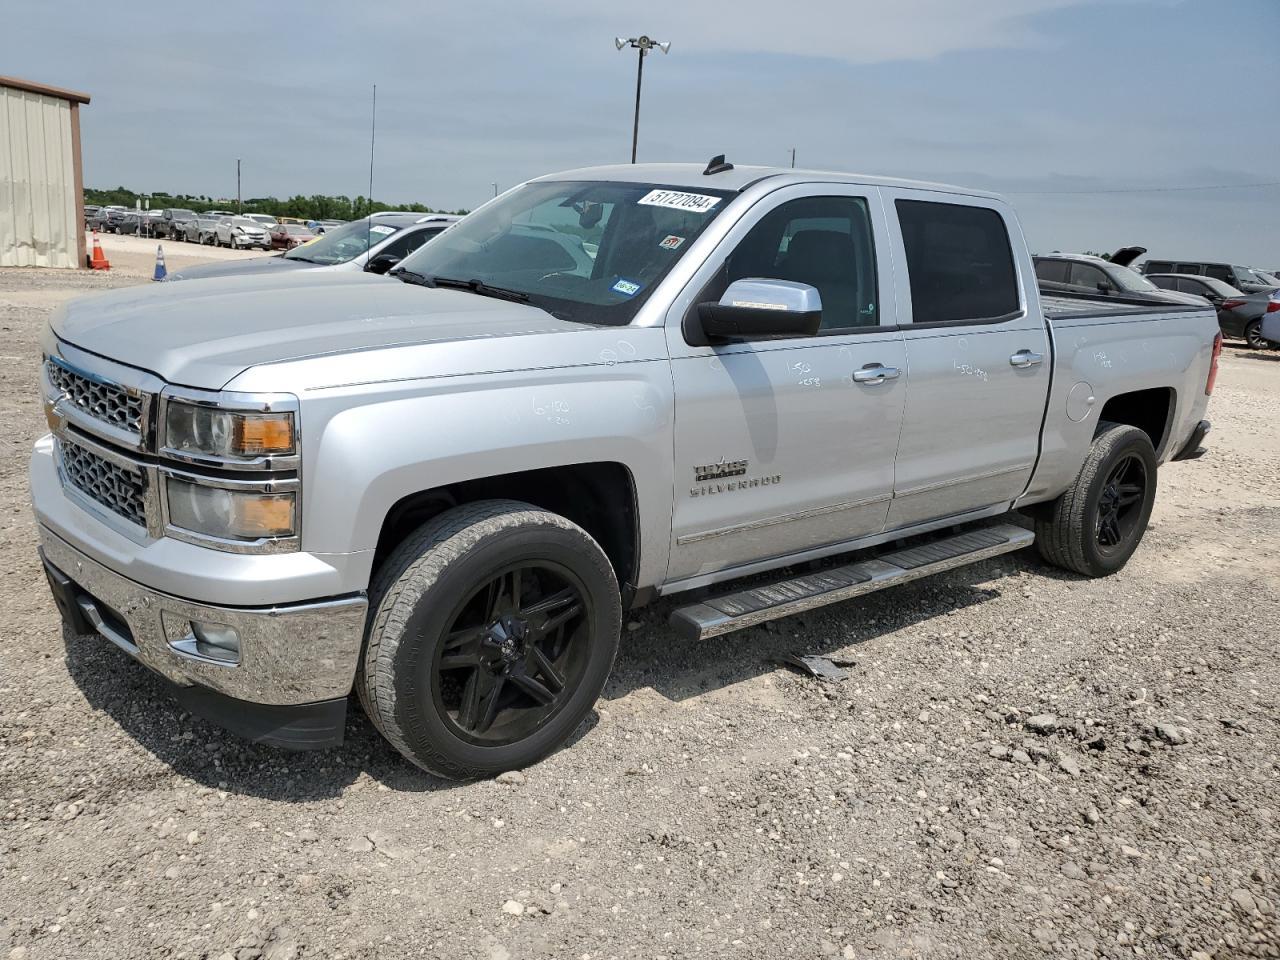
x: 140, y: 705
x: 651, y: 656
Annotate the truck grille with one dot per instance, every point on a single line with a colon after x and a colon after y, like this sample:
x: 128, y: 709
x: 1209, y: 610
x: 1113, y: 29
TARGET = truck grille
x: 103, y: 401
x: 121, y: 491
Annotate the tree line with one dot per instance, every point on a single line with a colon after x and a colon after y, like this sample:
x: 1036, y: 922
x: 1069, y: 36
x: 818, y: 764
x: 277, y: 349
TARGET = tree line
x: 315, y: 207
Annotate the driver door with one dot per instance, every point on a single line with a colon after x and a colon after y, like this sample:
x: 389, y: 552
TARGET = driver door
x: 779, y: 449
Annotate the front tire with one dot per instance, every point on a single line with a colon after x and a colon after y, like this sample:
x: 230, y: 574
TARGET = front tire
x: 1094, y: 528
x: 1253, y: 336
x: 492, y: 630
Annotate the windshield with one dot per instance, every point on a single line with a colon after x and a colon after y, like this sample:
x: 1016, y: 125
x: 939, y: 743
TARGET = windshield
x: 590, y: 252
x: 296, y: 230
x: 340, y: 244
x: 182, y: 214
x: 1127, y: 279
x: 1263, y: 277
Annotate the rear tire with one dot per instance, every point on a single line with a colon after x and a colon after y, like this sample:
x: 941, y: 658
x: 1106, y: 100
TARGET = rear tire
x: 1094, y: 528
x: 492, y: 630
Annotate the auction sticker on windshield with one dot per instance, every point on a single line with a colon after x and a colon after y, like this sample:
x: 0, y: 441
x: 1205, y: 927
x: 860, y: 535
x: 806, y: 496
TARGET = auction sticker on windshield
x: 671, y: 242
x: 628, y: 288
x: 693, y: 202
x: 382, y: 228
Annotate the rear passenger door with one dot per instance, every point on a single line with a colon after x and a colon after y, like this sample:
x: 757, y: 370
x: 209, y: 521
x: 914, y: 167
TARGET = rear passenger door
x: 977, y: 357
x: 785, y: 445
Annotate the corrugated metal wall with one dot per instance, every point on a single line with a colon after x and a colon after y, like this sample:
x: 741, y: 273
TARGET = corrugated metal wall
x: 37, y: 181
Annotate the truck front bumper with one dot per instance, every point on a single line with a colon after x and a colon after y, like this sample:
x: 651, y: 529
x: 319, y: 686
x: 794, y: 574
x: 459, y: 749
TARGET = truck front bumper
x: 288, y: 682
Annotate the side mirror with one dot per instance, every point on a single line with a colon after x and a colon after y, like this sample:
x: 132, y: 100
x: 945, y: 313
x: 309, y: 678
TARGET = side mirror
x: 381, y: 263
x: 755, y: 309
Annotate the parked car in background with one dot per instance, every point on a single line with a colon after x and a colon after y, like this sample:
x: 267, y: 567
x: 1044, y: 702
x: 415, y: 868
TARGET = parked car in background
x: 1242, y: 278
x: 127, y: 223
x: 90, y: 210
x: 267, y: 221
x: 374, y: 244
x: 1090, y: 276
x: 172, y: 222
x: 204, y: 230
x: 239, y: 232
x: 109, y: 219
x: 1240, y: 314
x: 286, y: 236
x: 1266, y: 276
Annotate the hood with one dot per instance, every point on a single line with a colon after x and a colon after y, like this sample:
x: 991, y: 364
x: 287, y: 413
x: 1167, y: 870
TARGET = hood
x: 203, y: 333
x: 251, y: 266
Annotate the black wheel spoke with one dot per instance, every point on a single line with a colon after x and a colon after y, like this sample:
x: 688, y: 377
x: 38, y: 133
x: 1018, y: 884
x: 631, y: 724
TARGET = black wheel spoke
x: 549, y: 604
x: 544, y: 668
x: 533, y: 688
x: 462, y: 649
x: 480, y: 700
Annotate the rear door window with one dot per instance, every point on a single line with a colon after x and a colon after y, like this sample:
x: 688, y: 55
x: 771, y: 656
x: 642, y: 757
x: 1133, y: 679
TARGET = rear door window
x: 1219, y: 271
x: 959, y: 262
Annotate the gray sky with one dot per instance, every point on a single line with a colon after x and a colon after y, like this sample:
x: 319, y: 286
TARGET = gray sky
x: 1049, y: 101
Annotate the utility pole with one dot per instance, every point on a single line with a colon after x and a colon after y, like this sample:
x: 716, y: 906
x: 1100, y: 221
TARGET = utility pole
x: 643, y: 45
x: 495, y: 189
x: 238, y: 185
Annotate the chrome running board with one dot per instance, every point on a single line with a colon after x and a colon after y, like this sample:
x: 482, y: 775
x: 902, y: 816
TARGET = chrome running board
x: 746, y: 608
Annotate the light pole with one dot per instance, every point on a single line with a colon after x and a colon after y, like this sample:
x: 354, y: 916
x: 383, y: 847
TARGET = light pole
x: 643, y: 44
x: 495, y: 188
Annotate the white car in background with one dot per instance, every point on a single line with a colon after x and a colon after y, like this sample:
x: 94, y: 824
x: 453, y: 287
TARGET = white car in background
x: 241, y: 232
x: 267, y: 221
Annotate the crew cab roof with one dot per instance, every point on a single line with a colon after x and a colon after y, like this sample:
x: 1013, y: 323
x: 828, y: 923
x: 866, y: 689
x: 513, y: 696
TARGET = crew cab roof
x: 691, y: 176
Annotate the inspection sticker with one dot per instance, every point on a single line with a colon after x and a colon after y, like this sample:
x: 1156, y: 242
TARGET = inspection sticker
x: 671, y: 242
x: 382, y: 229
x: 628, y: 288
x: 693, y: 202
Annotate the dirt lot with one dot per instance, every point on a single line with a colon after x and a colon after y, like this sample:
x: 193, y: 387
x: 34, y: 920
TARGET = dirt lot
x: 716, y: 805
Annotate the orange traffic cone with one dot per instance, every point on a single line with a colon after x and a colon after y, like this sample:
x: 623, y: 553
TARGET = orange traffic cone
x: 99, y: 261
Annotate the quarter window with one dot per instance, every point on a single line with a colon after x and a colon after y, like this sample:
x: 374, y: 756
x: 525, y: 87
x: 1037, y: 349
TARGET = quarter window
x: 959, y: 261
x: 825, y: 242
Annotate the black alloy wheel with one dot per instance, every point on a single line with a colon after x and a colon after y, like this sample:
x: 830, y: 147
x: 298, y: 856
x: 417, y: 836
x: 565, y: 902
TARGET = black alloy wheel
x: 513, y: 654
x: 1120, y: 505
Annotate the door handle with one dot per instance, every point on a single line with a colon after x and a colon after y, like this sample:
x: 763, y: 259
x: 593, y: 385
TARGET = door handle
x: 875, y: 373
x: 1026, y: 358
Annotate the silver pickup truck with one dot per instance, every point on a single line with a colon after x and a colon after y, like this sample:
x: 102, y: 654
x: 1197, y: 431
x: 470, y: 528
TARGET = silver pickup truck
x: 443, y: 487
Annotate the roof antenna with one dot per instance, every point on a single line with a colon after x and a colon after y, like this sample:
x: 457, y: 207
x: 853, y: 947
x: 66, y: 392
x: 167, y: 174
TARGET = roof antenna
x: 718, y: 164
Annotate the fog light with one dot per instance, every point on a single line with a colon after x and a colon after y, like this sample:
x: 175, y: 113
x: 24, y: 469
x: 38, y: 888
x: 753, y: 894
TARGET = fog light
x: 202, y: 641
x: 216, y: 641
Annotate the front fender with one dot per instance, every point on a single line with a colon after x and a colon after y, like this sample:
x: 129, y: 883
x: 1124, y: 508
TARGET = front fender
x: 366, y: 449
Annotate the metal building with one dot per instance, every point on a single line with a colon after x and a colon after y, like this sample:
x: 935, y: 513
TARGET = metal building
x: 41, y: 181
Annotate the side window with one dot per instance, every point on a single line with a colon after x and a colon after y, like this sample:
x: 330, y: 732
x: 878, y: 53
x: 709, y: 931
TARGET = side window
x: 407, y: 242
x: 1164, y: 283
x: 1219, y: 271
x: 1159, y: 266
x: 1191, y: 286
x: 1087, y: 275
x: 825, y: 242
x: 1055, y: 271
x: 1194, y: 269
x: 959, y: 262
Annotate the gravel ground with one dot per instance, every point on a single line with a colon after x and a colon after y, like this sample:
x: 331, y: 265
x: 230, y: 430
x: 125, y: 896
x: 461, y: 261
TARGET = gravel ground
x: 1021, y: 764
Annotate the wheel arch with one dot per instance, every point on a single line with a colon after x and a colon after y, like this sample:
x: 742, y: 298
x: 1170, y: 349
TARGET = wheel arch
x: 600, y: 497
x: 1151, y: 411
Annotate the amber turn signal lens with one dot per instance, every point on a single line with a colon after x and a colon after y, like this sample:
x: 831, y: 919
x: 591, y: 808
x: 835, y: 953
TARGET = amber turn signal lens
x: 257, y: 436
x: 266, y: 516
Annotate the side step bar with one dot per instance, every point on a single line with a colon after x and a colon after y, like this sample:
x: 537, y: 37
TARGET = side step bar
x: 746, y: 608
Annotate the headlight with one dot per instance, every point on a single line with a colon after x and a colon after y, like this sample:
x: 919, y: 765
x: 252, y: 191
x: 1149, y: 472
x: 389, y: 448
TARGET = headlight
x: 228, y: 434
x: 230, y: 514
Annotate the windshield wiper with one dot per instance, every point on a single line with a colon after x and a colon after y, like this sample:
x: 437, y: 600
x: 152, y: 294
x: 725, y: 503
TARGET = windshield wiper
x: 411, y: 276
x: 482, y: 288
